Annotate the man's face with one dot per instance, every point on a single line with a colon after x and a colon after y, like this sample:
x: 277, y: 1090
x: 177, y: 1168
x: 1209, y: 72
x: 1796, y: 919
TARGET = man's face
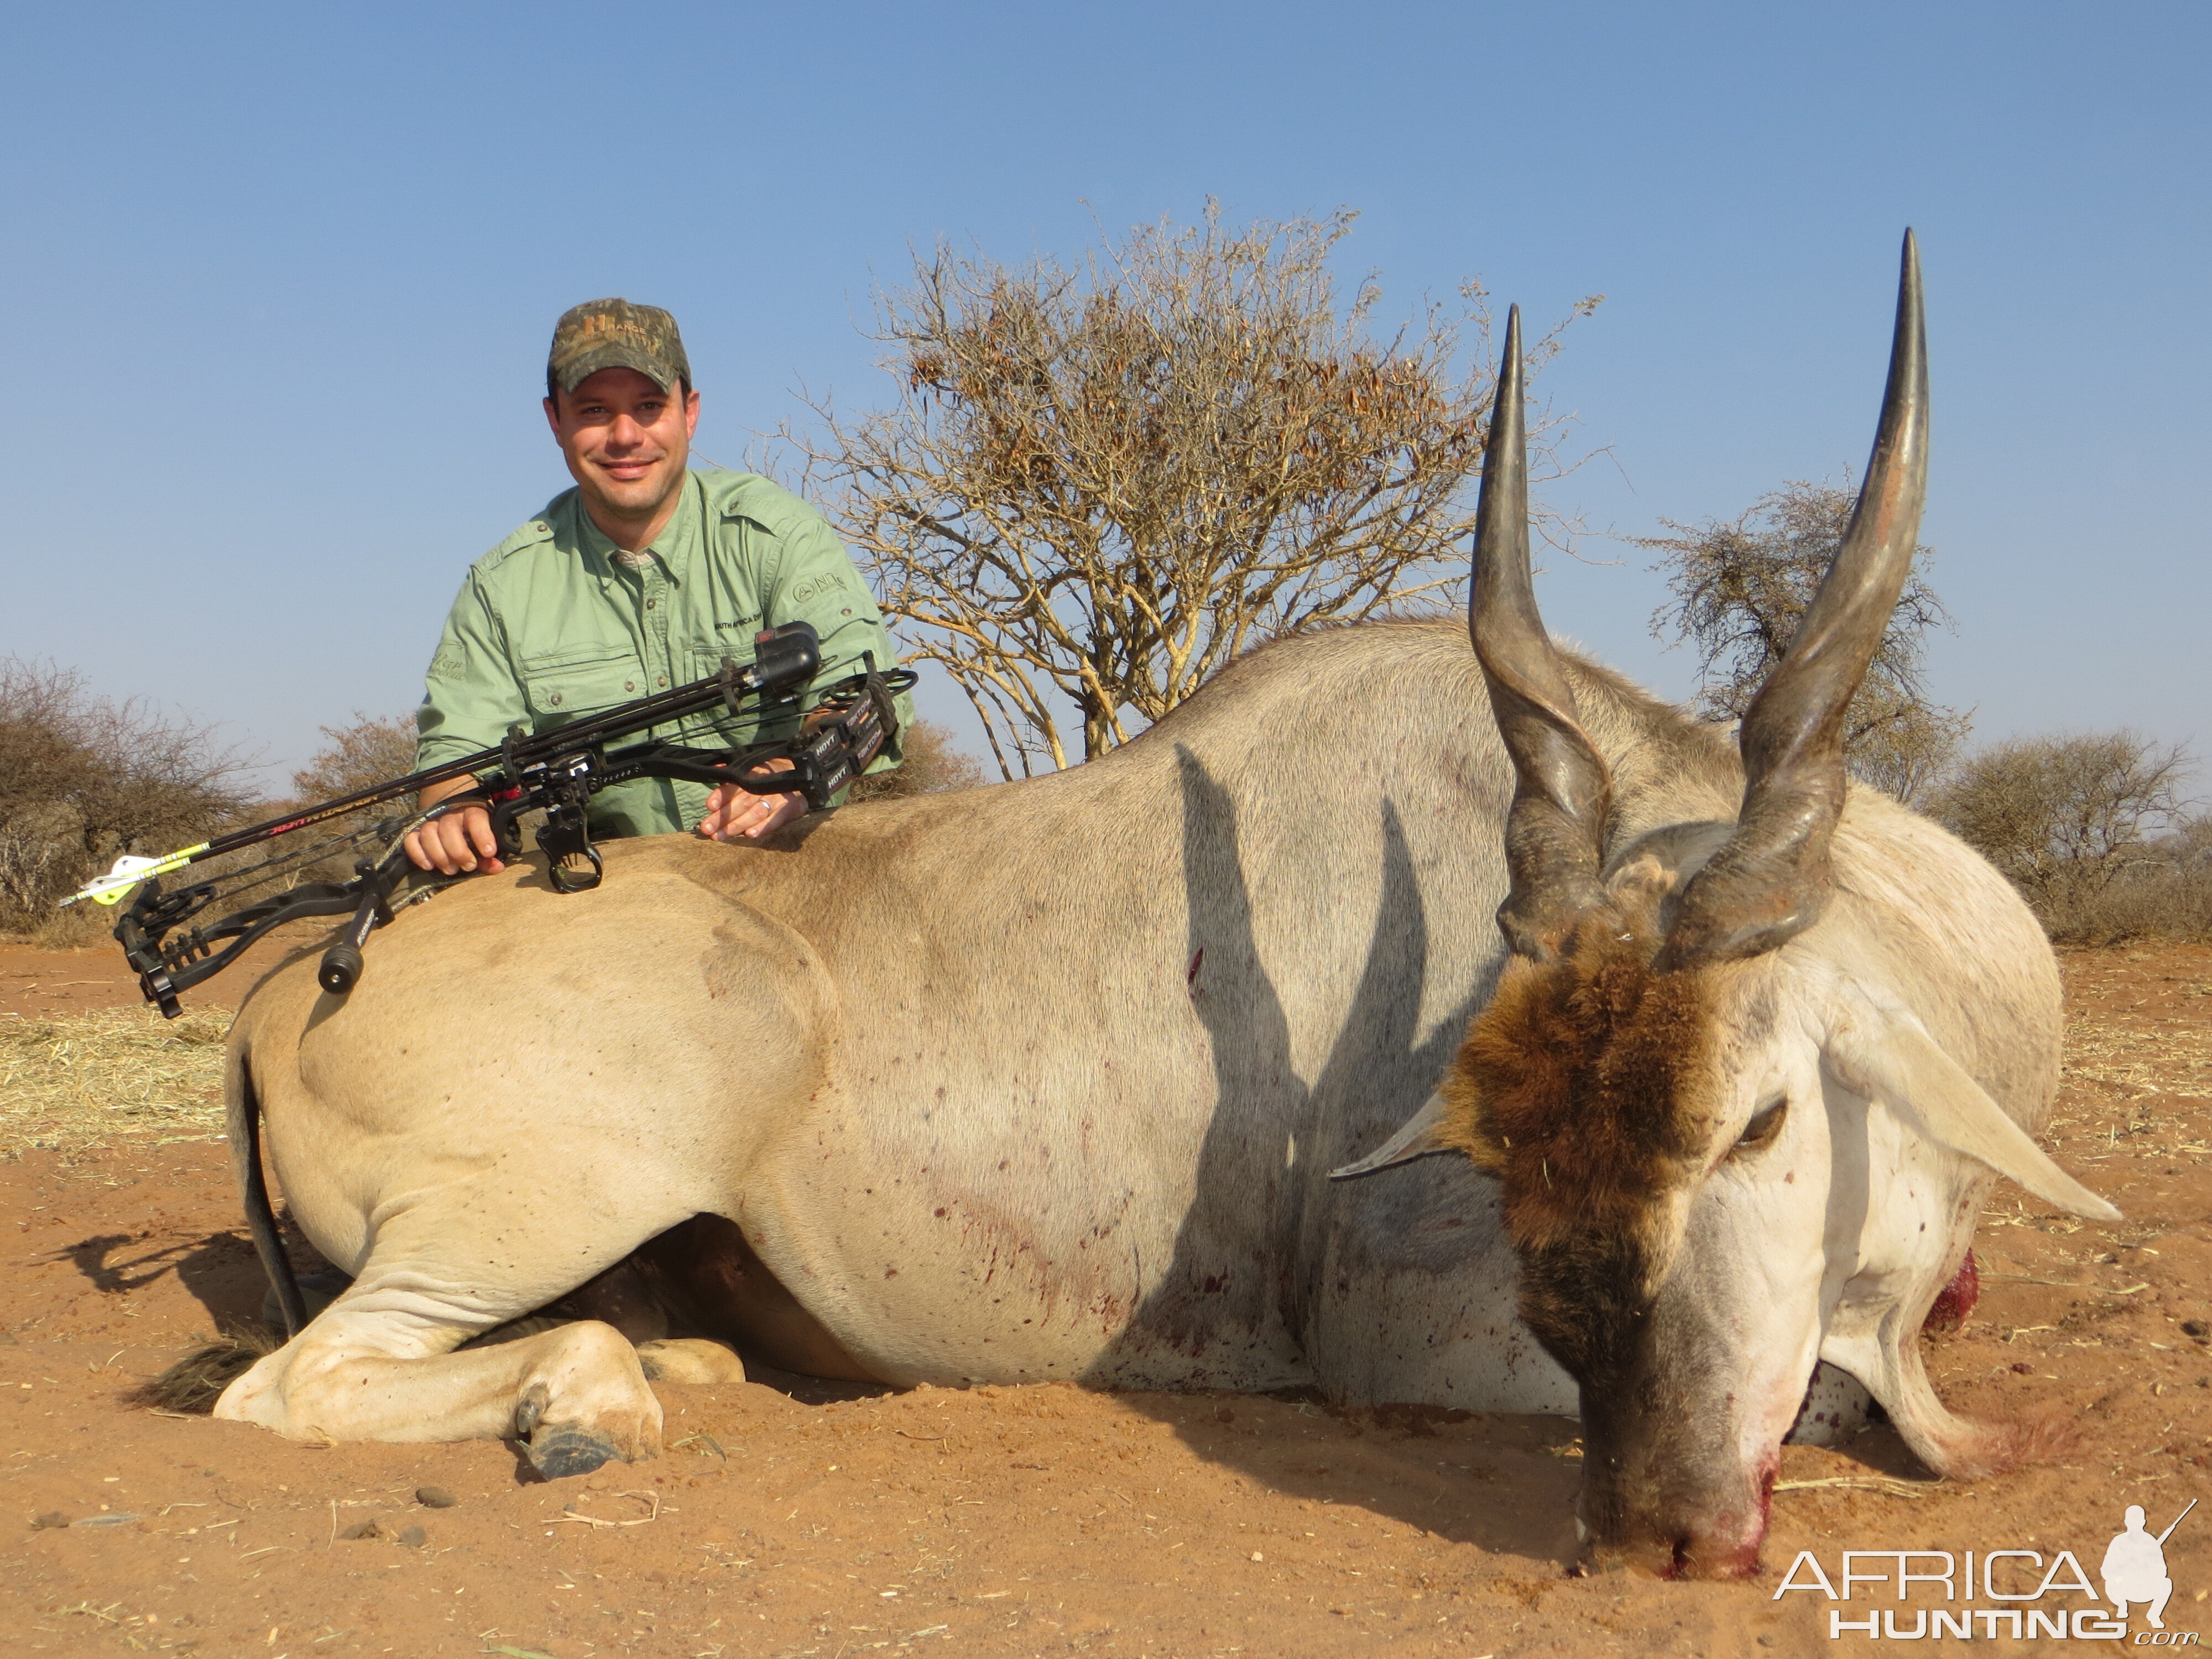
x: 625, y: 440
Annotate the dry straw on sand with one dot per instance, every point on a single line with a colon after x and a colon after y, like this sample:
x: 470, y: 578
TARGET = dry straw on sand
x: 71, y: 1082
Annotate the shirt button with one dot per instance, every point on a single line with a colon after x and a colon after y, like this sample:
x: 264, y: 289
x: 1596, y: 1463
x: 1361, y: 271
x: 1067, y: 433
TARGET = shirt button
x: 555, y: 699
x: 663, y: 680
x: 629, y: 685
x: 650, y: 604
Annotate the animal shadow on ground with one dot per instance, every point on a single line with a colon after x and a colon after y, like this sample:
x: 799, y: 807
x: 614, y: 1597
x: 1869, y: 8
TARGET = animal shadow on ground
x: 1506, y: 1484
x: 220, y: 1271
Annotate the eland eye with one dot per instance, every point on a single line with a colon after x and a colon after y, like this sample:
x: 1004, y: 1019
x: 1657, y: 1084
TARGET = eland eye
x: 1765, y: 1125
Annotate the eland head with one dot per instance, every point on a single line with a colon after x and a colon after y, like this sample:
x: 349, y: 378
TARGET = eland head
x: 1735, y: 1083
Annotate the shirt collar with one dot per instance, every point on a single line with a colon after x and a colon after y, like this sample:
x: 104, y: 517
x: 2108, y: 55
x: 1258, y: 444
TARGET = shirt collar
x: 673, y: 546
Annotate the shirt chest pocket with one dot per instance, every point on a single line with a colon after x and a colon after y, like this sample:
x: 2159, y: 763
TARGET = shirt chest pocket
x: 708, y: 656
x: 560, y: 687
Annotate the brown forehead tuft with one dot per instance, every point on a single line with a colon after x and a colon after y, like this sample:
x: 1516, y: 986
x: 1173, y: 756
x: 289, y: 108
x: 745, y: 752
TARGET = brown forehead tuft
x: 1579, y: 1086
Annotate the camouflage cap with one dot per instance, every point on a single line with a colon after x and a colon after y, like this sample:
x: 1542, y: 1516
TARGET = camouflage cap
x: 616, y: 334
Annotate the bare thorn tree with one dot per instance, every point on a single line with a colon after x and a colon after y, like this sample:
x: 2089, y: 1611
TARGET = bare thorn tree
x: 1096, y: 486
x: 1740, y: 588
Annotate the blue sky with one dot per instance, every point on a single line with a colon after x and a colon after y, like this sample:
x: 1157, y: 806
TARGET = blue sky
x: 283, y: 278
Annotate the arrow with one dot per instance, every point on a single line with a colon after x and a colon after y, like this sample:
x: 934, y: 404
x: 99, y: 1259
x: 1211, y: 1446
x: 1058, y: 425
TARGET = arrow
x: 129, y: 871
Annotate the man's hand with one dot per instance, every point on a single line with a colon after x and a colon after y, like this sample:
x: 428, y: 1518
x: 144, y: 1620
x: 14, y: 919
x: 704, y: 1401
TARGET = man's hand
x: 735, y: 814
x: 460, y: 842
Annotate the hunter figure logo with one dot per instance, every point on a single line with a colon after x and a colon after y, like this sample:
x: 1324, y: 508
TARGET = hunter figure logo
x: 2028, y: 1606
x: 2135, y: 1568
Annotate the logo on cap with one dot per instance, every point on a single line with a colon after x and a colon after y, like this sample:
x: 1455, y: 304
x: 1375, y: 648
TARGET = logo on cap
x: 616, y: 334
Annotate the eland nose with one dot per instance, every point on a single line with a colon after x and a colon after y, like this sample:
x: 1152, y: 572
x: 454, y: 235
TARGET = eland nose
x: 1708, y: 1535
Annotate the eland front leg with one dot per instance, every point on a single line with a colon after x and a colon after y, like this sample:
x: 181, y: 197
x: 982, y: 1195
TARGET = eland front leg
x: 385, y: 1361
x: 576, y: 1395
x: 474, y: 1159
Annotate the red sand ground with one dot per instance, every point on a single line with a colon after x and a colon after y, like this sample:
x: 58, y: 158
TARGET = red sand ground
x: 791, y: 1518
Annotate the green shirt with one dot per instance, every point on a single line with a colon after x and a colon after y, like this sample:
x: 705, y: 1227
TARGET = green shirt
x: 550, y: 627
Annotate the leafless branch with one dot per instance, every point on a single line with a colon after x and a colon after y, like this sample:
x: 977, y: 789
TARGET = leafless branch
x: 1740, y: 586
x: 1096, y: 486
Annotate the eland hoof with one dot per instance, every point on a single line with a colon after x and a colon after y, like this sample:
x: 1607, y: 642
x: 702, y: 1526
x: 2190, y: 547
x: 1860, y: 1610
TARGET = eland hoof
x: 689, y: 1359
x: 556, y: 1454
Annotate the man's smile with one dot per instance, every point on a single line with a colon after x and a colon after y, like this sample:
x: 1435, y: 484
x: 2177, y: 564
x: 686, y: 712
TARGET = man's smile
x: 625, y: 437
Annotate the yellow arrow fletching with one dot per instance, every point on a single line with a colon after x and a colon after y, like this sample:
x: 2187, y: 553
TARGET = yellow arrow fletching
x: 111, y: 888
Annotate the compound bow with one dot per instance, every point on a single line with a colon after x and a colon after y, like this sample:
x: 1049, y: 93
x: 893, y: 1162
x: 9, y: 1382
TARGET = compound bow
x: 555, y: 772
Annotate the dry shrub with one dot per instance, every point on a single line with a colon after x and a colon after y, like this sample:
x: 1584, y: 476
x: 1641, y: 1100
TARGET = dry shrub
x: 2094, y: 831
x: 1740, y: 588
x: 932, y: 765
x: 84, y: 780
x: 79, y: 927
x: 1097, y: 484
x: 360, y: 756
x: 71, y: 1082
x: 2166, y: 893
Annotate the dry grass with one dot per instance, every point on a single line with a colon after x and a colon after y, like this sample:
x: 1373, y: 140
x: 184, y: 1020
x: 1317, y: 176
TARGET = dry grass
x: 72, y: 1082
x: 73, y: 929
x: 2132, y: 1089
x: 2134, y: 1062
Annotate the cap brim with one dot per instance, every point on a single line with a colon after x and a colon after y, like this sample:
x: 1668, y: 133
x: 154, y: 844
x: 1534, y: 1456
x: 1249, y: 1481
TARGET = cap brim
x: 615, y: 353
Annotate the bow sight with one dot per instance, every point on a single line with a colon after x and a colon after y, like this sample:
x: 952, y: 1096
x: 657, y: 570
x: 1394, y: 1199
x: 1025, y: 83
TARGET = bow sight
x: 555, y: 772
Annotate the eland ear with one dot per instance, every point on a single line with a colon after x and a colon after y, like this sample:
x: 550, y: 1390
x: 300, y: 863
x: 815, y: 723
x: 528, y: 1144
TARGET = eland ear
x: 1887, y: 1055
x: 1421, y: 1135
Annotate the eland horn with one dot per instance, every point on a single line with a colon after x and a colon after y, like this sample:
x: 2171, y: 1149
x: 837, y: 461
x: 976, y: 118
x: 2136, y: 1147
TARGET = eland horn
x: 1771, y: 880
x: 1562, y: 791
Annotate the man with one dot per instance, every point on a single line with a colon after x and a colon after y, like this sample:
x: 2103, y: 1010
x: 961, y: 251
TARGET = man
x: 645, y: 576
x: 2135, y: 1569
